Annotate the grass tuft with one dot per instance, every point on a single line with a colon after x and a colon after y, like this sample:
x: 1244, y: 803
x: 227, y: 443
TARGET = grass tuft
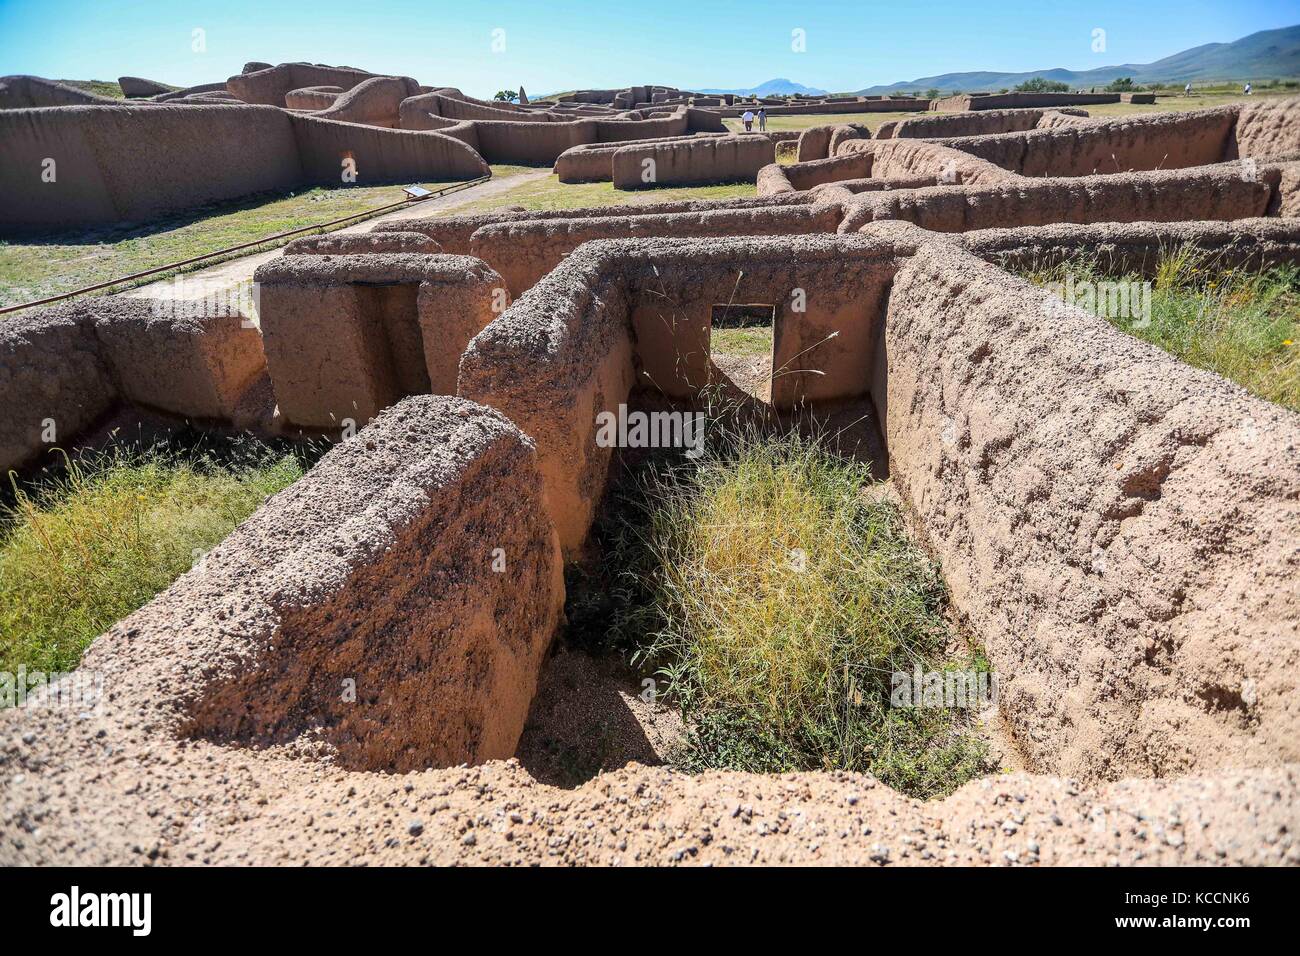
x: 94, y: 544
x: 1240, y: 323
x: 775, y: 591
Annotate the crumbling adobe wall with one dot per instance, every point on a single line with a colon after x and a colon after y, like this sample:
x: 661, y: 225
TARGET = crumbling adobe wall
x: 270, y: 86
x: 1219, y: 193
x: 708, y: 159
x: 1267, y: 130
x: 312, y: 98
x: 135, y: 87
x: 979, y: 123
x: 1117, y: 527
x: 28, y: 92
x: 593, y: 162
x: 51, y: 373
x: 1148, y: 142
x: 381, y: 155
x: 353, y: 243
x: 375, y: 568
x: 912, y: 161
x: 1138, y: 247
x: 137, y: 162
x: 551, y: 362
x: 64, y: 367
x: 524, y: 251
x: 996, y: 101
x: 374, y: 102
x: 348, y: 335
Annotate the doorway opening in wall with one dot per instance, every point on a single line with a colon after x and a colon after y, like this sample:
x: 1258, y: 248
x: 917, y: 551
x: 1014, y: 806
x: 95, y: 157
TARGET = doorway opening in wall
x: 740, y: 344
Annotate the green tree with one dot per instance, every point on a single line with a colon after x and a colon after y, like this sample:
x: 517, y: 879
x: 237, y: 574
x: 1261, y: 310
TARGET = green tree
x: 1122, y: 85
x: 506, y: 96
x: 932, y: 94
x: 1039, y: 84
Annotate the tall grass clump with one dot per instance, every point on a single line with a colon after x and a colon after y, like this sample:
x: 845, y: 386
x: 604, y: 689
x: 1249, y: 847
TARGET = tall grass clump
x: 776, y: 592
x: 1243, y: 324
x: 80, y: 551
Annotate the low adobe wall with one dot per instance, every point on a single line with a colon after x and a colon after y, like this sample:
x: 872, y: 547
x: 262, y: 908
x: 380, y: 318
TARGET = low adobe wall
x: 346, y: 336
x: 979, y: 123
x: 65, y: 367
x: 524, y: 251
x: 1159, y: 141
x: 312, y: 98
x: 1267, y: 130
x: 711, y: 159
x: 1138, y: 247
x: 1212, y: 192
x: 135, y: 87
x: 913, y: 162
x: 593, y: 162
x: 1104, y: 515
x: 997, y: 101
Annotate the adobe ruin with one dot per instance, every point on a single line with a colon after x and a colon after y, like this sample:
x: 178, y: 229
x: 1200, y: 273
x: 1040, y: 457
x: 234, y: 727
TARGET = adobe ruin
x: 1104, y: 515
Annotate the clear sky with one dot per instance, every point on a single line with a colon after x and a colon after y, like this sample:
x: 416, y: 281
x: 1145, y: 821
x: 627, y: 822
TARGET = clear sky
x: 555, y: 45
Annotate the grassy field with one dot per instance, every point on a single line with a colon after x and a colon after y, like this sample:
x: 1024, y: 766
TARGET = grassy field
x: 80, y: 552
x: 98, y: 87
x: 747, y: 342
x: 776, y: 592
x: 47, y: 266
x: 550, y: 193
x: 1243, y: 325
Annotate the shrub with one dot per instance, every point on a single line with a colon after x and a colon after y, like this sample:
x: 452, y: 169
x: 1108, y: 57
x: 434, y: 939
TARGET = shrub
x: 775, y: 590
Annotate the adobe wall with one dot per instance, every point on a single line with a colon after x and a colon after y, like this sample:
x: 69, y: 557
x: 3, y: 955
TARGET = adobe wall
x: 1267, y: 130
x: 1159, y: 141
x: 912, y: 161
x: 996, y: 101
x: 312, y: 98
x: 51, y: 373
x: 64, y: 367
x: 557, y: 357
x: 346, y: 336
x: 1138, y: 247
x: 1212, y: 192
x: 524, y: 251
x: 978, y: 123
x: 709, y: 159
x: 135, y: 87
x: 381, y: 155
x: 374, y: 102
x: 1106, y: 516
x: 138, y: 162
x: 592, y: 162
x: 270, y: 86
x: 28, y: 92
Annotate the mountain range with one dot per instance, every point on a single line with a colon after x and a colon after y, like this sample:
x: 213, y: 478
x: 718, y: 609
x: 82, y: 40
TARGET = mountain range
x: 777, y: 87
x: 1266, y: 55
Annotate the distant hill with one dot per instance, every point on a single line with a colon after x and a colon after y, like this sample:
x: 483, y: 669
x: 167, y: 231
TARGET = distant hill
x: 1269, y: 54
x: 778, y: 87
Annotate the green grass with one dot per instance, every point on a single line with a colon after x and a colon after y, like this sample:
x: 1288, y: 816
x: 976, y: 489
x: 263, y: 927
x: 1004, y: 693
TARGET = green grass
x: 754, y: 341
x: 1242, y: 324
x: 779, y: 662
x: 81, y: 551
x: 34, y: 269
x: 99, y: 87
x: 550, y: 194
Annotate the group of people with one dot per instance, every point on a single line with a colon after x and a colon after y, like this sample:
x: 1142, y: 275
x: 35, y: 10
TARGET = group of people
x: 748, y: 119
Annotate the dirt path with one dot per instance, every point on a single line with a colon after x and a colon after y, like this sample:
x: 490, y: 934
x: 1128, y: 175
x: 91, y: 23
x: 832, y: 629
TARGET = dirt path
x: 236, y: 271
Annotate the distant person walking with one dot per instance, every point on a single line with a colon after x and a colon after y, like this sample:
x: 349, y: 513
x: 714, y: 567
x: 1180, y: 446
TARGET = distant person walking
x: 1187, y: 90
x: 748, y: 119
x: 1247, y: 90
x: 762, y: 120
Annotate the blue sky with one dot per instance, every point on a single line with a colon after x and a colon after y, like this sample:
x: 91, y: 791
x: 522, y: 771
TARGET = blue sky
x: 552, y: 46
